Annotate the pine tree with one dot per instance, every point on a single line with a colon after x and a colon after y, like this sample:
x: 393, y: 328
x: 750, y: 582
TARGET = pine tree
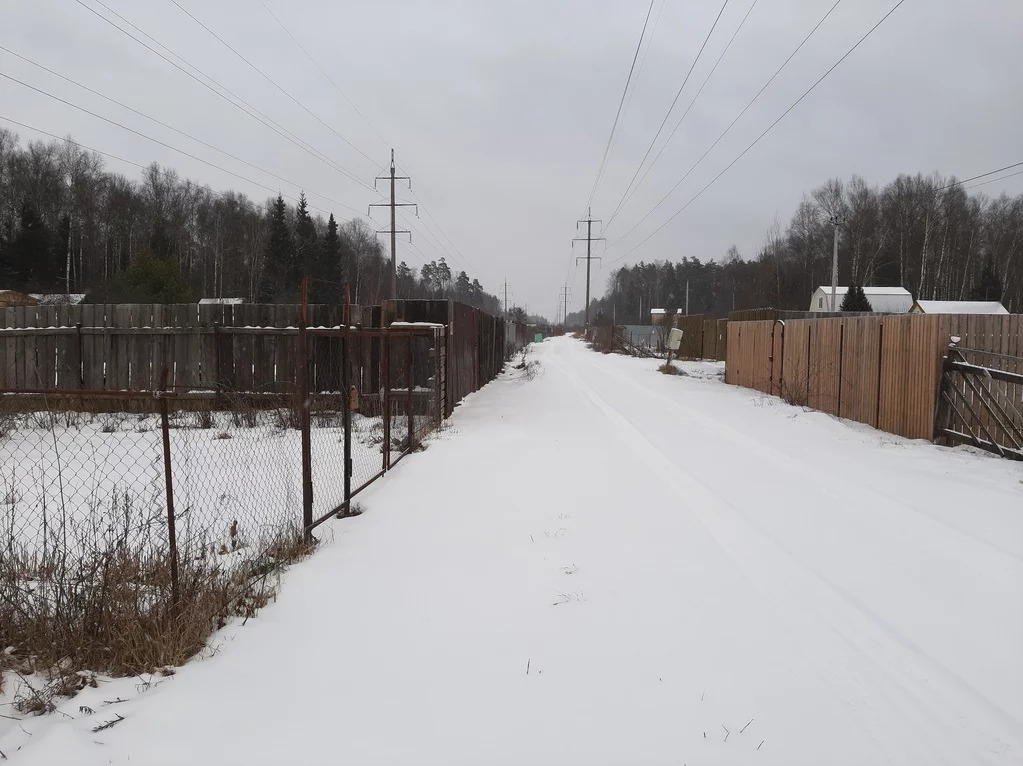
x: 31, y: 254
x: 328, y: 283
x: 463, y: 287
x: 307, y: 253
x: 989, y: 286
x: 855, y: 300
x: 278, y: 257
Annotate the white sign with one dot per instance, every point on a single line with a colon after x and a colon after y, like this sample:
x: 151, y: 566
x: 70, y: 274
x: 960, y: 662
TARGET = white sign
x: 674, y: 338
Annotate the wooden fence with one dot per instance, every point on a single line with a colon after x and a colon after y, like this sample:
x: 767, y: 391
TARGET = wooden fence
x: 127, y: 347
x: 881, y: 370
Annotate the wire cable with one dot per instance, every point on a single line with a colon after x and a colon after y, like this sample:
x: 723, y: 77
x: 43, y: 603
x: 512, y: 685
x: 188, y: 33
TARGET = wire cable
x: 670, y: 108
x: 150, y: 138
x: 982, y: 175
x: 231, y: 97
x: 768, y: 130
x: 270, y: 80
x: 994, y: 180
x: 130, y: 162
x: 323, y: 72
x: 621, y: 103
x: 688, y: 108
x: 172, y: 128
x: 731, y: 125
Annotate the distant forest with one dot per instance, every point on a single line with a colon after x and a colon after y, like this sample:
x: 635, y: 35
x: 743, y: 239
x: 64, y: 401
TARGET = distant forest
x: 68, y: 225
x: 935, y: 239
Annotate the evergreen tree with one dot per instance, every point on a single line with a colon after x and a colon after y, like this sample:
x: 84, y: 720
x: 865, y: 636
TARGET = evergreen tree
x: 151, y: 279
x: 989, y: 286
x: 463, y: 287
x: 327, y: 285
x: 406, y: 280
x: 307, y: 253
x: 278, y: 257
x: 31, y: 257
x: 855, y: 300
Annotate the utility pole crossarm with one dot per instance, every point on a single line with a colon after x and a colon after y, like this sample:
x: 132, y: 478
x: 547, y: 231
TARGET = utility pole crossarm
x: 589, y: 239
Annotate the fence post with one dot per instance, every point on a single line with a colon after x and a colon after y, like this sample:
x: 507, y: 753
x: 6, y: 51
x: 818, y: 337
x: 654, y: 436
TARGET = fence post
x: 81, y: 360
x: 303, y: 394
x: 411, y: 403
x: 172, y: 538
x: 385, y: 375
x: 345, y: 394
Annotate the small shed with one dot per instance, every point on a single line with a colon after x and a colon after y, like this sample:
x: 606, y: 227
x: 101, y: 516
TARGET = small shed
x: 958, y: 307
x: 883, y: 300
x: 11, y: 298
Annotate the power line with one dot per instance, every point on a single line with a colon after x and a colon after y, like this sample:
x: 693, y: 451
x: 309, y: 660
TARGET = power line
x: 270, y: 80
x: 131, y: 162
x: 621, y: 103
x: 232, y: 98
x: 172, y: 128
x: 150, y: 138
x: 688, y: 108
x: 982, y: 175
x: 323, y: 72
x: 670, y: 108
x: 994, y: 180
x: 731, y: 125
x: 769, y: 129
x: 71, y: 141
x: 375, y: 130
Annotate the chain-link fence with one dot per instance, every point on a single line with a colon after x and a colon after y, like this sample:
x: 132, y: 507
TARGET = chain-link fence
x: 152, y: 502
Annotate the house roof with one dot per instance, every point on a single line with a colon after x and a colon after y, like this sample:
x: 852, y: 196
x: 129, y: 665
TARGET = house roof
x: 868, y: 291
x: 15, y: 298
x: 221, y: 301
x: 960, y: 307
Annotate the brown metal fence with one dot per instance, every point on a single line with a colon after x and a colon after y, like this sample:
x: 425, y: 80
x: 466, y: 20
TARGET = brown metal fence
x: 880, y: 370
x: 209, y: 479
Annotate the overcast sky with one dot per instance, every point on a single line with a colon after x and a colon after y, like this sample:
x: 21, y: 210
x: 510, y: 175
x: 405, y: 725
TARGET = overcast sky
x: 501, y: 110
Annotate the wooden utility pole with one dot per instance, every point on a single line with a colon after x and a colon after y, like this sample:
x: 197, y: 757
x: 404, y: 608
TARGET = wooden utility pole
x: 393, y: 231
x: 506, y: 298
x: 589, y: 239
x: 837, y: 222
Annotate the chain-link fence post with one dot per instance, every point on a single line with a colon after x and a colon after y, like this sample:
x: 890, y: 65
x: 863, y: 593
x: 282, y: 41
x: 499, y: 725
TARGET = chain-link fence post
x: 303, y: 404
x: 172, y: 537
x: 410, y: 378
x: 385, y: 363
x: 346, y: 395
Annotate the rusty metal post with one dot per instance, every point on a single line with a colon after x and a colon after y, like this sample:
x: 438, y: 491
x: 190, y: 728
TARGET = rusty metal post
x: 81, y: 359
x: 385, y: 375
x: 172, y: 538
x: 411, y: 403
x: 345, y: 381
x: 303, y: 403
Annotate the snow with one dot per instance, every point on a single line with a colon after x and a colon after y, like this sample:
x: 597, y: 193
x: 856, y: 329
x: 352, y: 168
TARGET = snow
x: 961, y: 307
x: 600, y: 564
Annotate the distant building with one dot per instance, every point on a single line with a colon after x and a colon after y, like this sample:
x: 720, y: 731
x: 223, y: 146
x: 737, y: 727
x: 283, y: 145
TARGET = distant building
x: 884, y: 300
x: 958, y: 307
x: 59, y: 299
x: 657, y: 316
x: 11, y: 298
x: 221, y: 301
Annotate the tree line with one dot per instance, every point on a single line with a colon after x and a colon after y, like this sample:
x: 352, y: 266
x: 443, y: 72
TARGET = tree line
x: 925, y: 233
x: 68, y: 225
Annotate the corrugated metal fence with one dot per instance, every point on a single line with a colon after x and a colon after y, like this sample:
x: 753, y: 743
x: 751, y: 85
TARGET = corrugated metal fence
x: 880, y: 370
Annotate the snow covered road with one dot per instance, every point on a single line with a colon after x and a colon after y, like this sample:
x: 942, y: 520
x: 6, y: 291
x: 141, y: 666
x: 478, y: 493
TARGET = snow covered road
x: 604, y: 565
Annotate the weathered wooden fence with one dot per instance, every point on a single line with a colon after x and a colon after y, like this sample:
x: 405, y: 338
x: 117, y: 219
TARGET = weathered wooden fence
x: 880, y: 370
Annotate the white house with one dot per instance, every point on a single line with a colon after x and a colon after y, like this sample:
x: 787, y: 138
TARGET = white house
x: 958, y: 307
x: 887, y: 300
